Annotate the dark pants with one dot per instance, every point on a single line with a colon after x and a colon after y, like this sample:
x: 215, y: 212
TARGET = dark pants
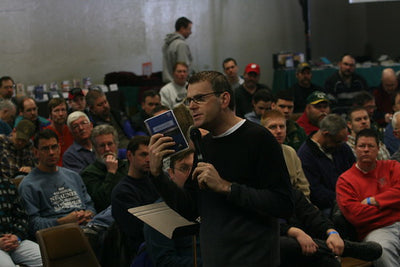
x: 291, y: 254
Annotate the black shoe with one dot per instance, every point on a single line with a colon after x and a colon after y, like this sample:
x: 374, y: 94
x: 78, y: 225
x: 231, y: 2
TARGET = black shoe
x: 367, y: 251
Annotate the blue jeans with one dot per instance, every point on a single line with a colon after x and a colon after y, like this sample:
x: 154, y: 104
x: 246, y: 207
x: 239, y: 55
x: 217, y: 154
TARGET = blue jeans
x: 103, y: 218
x: 27, y: 253
x: 389, y: 238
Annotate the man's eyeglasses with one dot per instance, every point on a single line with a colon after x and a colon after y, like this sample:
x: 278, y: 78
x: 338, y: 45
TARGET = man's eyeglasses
x: 76, y: 125
x: 104, y: 145
x: 198, y: 99
x: 9, y: 86
x: 184, y: 169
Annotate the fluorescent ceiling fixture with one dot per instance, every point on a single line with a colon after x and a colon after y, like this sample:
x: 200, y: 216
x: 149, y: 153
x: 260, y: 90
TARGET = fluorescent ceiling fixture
x: 370, y: 1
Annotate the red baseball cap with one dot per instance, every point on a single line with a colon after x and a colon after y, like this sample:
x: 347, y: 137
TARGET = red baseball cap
x: 252, y: 67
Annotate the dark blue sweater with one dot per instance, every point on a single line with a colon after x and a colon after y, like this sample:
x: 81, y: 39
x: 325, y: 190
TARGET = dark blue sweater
x: 322, y: 173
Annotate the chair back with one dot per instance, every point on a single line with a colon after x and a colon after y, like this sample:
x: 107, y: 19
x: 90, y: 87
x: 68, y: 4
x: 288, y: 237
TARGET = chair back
x: 65, y: 245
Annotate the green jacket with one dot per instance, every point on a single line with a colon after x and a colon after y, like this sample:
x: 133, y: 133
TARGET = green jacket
x: 295, y: 134
x: 100, y: 183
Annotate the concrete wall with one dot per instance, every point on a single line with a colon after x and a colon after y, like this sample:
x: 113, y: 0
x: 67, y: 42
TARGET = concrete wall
x: 54, y: 40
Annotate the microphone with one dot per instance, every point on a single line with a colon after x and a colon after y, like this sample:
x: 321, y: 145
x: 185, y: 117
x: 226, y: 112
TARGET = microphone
x: 195, y: 136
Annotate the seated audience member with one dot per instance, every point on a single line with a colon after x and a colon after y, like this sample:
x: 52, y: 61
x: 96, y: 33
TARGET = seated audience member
x: 179, y: 250
x: 244, y: 93
x: 357, y: 120
x: 58, y: 117
x: 344, y: 84
x: 366, y: 100
x: 53, y: 195
x: 295, y: 135
x: 7, y: 87
x: 173, y: 93
x: 16, y: 151
x: 100, y: 113
x: 324, y: 156
x: 77, y: 101
x: 384, y: 95
x: 231, y: 69
x: 316, y: 109
x: 80, y: 154
x: 7, y: 116
x: 150, y: 100
x: 14, y: 247
x: 28, y: 110
x: 134, y: 190
x: 396, y: 132
x: 308, y: 238
x: 368, y: 195
x: 261, y: 102
x: 391, y: 142
x: 275, y: 122
x: 103, y: 175
x: 303, y: 88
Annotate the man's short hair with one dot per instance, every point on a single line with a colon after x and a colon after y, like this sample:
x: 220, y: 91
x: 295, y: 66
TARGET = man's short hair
x: 270, y: 115
x: 159, y: 108
x: 368, y: 133
x: 6, y: 104
x: 354, y: 109
x: 333, y: 124
x: 54, y: 102
x: 149, y: 93
x: 182, y: 22
x: 74, y: 116
x: 219, y: 83
x: 21, y: 102
x: 136, y: 141
x: 362, y: 97
x: 5, y: 78
x: 347, y: 55
x: 179, y: 156
x: 262, y: 95
x: 284, y: 95
x: 179, y: 63
x: 44, y: 134
x: 103, y: 130
x: 226, y: 60
x: 92, y: 95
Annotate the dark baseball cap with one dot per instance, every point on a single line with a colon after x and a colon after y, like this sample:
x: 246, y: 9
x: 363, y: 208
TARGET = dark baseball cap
x: 303, y: 66
x: 74, y: 92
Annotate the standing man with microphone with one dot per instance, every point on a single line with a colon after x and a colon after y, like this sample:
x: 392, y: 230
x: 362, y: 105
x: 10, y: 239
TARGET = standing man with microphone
x: 242, y: 188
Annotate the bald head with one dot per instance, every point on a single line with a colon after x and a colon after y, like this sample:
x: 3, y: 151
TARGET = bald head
x: 389, y: 80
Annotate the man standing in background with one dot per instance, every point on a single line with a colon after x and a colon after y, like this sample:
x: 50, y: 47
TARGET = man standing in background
x: 176, y: 49
x: 231, y: 72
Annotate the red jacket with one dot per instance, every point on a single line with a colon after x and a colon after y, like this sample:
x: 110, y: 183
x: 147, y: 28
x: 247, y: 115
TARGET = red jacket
x: 383, y: 183
x: 304, y: 122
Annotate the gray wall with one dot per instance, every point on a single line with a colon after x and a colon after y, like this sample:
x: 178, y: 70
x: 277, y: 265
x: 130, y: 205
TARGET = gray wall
x: 54, y: 40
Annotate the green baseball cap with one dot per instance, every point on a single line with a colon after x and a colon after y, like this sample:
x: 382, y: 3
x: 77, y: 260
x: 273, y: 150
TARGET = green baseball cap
x: 317, y: 97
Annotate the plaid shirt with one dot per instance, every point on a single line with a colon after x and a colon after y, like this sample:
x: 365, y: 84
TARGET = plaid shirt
x: 13, y: 159
x: 13, y: 218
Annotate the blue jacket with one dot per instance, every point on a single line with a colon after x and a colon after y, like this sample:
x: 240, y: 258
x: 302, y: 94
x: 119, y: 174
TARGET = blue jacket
x: 322, y: 173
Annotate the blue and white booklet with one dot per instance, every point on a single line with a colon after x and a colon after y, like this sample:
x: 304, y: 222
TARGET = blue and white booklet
x: 167, y: 124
